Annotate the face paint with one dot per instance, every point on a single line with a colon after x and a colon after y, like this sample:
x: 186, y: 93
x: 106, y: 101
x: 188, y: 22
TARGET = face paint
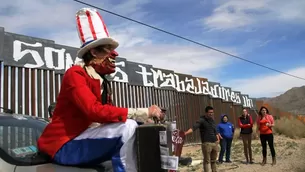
x: 104, y: 63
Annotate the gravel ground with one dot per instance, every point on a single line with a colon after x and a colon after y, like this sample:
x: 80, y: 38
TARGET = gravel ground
x: 290, y: 157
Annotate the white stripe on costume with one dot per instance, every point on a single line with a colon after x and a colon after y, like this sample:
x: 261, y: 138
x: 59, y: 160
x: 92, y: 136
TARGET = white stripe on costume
x: 85, y: 27
x: 99, y: 27
x: 126, y: 131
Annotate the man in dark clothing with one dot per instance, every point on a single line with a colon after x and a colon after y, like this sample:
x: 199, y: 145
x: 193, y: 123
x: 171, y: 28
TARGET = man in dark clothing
x: 209, y: 138
x: 245, y: 123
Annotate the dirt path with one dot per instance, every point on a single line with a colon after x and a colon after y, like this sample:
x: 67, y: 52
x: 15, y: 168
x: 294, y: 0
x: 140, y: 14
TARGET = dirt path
x: 290, y: 157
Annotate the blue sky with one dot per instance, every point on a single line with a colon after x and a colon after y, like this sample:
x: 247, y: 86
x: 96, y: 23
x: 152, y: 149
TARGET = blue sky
x: 270, y: 32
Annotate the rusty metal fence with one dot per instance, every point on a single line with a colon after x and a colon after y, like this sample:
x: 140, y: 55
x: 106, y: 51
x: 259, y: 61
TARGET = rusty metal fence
x: 30, y: 91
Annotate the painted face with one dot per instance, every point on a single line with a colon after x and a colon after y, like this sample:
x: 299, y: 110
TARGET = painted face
x: 225, y: 119
x: 210, y: 113
x: 104, y: 60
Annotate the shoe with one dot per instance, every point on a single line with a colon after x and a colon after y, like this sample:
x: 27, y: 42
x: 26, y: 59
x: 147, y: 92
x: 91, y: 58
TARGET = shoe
x: 219, y: 162
x: 264, y: 161
x: 273, y: 161
x: 245, y: 162
x: 228, y: 161
x: 251, y: 162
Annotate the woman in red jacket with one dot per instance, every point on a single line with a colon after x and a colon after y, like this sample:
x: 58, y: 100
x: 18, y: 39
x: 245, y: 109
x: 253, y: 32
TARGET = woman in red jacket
x: 265, y: 122
x: 246, y: 123
x: 86, y: 129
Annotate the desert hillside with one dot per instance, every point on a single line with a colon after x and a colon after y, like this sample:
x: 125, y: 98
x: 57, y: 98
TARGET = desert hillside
x: 292, y: 100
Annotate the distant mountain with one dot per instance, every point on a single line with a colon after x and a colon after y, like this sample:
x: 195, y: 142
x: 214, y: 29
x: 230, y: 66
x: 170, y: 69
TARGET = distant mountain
x: 263, y: 98
x: 292, y: 100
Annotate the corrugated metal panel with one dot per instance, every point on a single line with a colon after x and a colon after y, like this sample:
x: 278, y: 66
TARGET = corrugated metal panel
x: 236, y: 113
x: 1, y: 85
x: 30, y: 91
x: 217, y: 105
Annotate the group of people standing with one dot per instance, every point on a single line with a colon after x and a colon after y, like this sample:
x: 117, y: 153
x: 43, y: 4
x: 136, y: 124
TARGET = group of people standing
x: 265, y: 123
x: 213, y: 135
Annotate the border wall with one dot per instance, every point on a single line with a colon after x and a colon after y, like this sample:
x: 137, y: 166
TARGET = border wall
x: 31, y: 70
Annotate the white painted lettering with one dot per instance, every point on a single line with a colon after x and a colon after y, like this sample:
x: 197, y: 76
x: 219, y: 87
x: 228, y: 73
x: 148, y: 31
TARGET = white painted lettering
x: 18, y: 54
x: 225, y: 94
x: 48, y: 56
x: 213, y: 91
x: 221, y: 92
x: 120, y: 71
x: 238, y: 100
x: 247, y: 102
x: 144, y: 74
x: 169, y: 81
x: 156, y: 75
x: 205, y: 88
x: 69, y: 61
x: 190, y: 85
x: 180, y: 85
x: 198, y: 89
x: 244, y: 101
x: 233, y: 97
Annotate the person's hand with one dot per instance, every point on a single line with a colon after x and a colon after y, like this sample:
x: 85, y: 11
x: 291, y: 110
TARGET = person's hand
x: 154, y: 111
x: 162, y: 116
x: 150, y: 121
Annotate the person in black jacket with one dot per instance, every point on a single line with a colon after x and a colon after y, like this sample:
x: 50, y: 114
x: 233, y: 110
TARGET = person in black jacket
x: 209, y: 138
x: 246, y: 123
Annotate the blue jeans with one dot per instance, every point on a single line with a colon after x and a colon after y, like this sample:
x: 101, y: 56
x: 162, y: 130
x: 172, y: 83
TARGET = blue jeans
x: 115, y: 141
x: 225, y: 146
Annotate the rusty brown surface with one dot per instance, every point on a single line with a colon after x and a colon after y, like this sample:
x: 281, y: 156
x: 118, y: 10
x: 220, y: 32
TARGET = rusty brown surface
x: 186, y: 107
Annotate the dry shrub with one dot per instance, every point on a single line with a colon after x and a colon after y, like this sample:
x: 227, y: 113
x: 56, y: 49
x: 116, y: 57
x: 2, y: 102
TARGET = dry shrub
x: 237, y: 133
x: 292, y: 127
x: 301, y: 168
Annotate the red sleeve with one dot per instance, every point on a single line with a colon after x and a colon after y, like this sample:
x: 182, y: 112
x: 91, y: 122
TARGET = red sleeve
x: 83, y: 98
x: 251, y: 121
x: 271, y: 119
x: 246, y: 126
x: 240, y: 124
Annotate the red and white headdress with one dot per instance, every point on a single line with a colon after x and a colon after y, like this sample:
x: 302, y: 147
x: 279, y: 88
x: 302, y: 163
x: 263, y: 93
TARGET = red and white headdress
x: 92, y: 31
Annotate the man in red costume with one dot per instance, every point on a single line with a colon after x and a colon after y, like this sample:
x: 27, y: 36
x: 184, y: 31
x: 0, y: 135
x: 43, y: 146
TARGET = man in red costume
x: 86, y: 129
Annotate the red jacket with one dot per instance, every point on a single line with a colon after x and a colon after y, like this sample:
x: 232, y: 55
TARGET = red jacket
x: 241, y: 125
x: 261, y: 124
x: 78, y: 105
